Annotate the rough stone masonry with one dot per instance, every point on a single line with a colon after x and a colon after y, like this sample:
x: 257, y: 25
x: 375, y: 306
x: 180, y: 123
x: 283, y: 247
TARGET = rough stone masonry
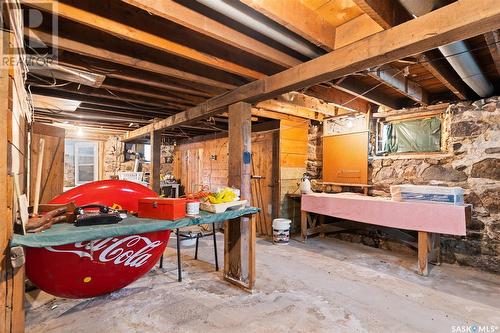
x: 471, y: 160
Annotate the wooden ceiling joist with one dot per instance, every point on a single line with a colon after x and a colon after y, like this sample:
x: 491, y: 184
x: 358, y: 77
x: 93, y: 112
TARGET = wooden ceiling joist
x: 308, y: 102
x: 459, y: 20
x: 191, y: 19
x: 156, y: 84
x: 298, y: 18
x: 340, y: 98
x: 132, y: 34
x: 389, y: 13
x: 103, y: 54
x: 155, y: 95
x: 85, y: 94
x: 305, y: 22
x: 492, y: 39
x: 395, y: 79
x: 289, y: 109
x: 444, y: 73
x: 364, y: 91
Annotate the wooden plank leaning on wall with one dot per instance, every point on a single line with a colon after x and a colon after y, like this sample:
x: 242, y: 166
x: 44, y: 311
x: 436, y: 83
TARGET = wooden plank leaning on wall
x: 239, y: 238
x: 11, y: 280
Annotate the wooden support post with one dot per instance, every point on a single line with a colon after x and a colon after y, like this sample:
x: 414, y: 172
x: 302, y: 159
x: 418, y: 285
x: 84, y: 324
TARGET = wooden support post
x: 303, y: 225
x: 239, y: 238
x: 434, y: 248
x: 423, y: 253
x: 4, y: 216
x: 11, y: 279
x: 154, y: 172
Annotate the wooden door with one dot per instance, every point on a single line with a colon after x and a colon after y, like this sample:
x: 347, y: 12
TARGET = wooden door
x: 191, y: 169
x: 52, y: 182
x: 263, y: 183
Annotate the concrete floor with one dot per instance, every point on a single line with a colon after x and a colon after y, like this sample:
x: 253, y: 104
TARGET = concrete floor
x: 326, y: 285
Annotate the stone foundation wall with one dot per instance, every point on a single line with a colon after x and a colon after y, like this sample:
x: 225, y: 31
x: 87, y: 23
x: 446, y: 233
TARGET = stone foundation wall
x: 473, y: 163
x: 471, y: 160
x: 114, y: 158
x: 315, y: 150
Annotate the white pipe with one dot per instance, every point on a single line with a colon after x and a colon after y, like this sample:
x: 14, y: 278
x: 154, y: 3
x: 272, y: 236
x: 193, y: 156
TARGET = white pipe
x: 457, y: 53
x: 283, y: 38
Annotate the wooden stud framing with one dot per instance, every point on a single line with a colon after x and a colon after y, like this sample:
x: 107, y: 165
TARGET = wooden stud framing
x: 239, y: 238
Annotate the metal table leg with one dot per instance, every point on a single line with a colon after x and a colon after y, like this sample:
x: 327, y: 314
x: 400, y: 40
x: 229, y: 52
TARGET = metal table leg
x: 179, y: 271
x: 215, y: 248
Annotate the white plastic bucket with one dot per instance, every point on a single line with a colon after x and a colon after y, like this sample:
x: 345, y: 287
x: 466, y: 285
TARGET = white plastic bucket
x: 281, y: 231
x: 193, y: 207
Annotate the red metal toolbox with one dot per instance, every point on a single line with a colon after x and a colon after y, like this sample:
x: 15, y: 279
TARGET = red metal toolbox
x: 162, y: 208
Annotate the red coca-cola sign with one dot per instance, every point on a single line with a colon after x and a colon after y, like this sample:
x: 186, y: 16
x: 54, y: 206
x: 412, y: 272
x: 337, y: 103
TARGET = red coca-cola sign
x: 92, y: 268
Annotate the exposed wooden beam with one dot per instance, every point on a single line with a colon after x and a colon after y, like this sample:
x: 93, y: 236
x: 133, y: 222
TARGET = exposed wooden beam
x: 193, y: 20
x: 287, y: 109
x: 457, y: 21
x: 356, y: 29
x: 493, y: 40
x: 82, y: 94
x: 444, y: 73
x: 126, y: 73
x: 94, y: 52
x: 363, y: 91
x: 298, y: 18
x: 77, y: 115
x: 395, y: 79
x: 145, y: 38
x: 308, y: 102
x: 134, y: 77
x: 286, y: 115
x: 339, y: 98
x: 155, y: 95
x: 389, y: 13
x: 156, y: 84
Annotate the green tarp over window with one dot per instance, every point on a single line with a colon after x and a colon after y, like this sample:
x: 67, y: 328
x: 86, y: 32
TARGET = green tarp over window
x: 419, y: 135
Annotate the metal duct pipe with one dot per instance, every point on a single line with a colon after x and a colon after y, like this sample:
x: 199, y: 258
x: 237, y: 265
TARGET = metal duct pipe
x: 457, y: 53
x: 253, y: 23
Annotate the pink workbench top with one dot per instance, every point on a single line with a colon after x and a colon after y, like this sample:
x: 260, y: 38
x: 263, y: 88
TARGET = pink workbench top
x: 418, y: 216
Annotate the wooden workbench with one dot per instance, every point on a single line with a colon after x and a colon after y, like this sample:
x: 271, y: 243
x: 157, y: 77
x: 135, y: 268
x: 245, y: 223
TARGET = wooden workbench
x: 429, y: 219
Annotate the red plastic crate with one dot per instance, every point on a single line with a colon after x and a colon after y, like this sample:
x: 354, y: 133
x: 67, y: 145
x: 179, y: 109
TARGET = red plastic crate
x: 162, y: 208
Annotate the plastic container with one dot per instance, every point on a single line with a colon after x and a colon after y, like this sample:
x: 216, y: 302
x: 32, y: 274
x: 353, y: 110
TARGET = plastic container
x: 281, y: 231
x: 437, y: 194
x: 162, y: 208
x: 193, y: 207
